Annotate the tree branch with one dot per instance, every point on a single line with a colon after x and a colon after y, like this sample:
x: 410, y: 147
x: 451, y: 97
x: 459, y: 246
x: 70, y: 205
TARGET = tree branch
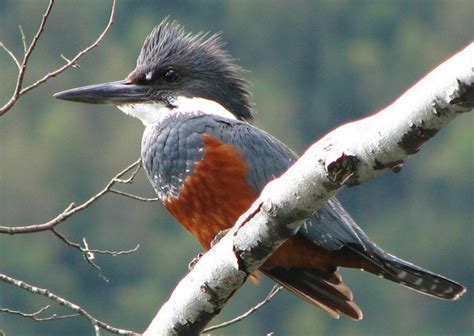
x: 36, y: 316
x: 19, y: 91
x: 12, y: 55
x: 89, y: 254
x: 72, y: 208
x: 61, y: 301
x: 249, y: 312
x: 347, y: 156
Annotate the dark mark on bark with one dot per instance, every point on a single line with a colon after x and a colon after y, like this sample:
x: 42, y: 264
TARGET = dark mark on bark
x: 241, y: 256
x: 257, y: 253
x: 415, y: 137
x: 438, y: 110
x: 214, y: 299
x: 330, y: 186
x: 379, y: 165
x: 195, y: 327
x: 342, y: 170
x: 465, y: 96
x: 395, y: 166
x: 329, y: 145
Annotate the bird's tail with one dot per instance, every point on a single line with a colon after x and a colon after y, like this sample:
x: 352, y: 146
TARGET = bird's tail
x: 323, y: 289
x: 414, y: 277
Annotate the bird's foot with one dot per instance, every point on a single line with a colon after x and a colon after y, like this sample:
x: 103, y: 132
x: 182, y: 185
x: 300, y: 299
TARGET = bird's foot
x: 216, y: 239
x: 193, y: 262
x: 219, y: 236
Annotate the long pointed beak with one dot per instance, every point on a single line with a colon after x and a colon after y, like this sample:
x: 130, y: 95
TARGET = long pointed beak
x: 119, y: 92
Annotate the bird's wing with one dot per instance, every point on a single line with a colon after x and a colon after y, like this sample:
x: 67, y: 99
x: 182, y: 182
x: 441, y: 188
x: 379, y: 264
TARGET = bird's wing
x: 330, y: 227
x: 266, y: 158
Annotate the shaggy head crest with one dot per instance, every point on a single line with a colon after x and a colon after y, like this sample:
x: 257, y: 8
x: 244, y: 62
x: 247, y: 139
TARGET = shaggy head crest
x: 203, y: 68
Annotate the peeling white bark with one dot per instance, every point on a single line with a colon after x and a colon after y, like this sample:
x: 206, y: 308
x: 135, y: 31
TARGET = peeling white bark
x: 348, y: 155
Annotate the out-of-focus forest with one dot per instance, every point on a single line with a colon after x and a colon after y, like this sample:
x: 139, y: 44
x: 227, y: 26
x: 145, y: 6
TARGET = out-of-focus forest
x: 313, y: 65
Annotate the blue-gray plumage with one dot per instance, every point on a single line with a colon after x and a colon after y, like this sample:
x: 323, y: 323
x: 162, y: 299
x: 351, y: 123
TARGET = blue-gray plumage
x: 331, y: 228
x: 207, y: 164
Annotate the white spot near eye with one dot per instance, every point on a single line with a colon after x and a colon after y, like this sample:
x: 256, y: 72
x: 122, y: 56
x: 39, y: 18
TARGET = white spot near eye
x: 149, y: 75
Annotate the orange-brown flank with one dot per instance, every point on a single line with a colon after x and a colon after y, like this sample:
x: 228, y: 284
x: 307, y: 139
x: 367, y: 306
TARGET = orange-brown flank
x: 217, y: 193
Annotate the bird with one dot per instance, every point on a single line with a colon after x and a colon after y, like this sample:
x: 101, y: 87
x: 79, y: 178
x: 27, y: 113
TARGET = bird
x: 207, y: 163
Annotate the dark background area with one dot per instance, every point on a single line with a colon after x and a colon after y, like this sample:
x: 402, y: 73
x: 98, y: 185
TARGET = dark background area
x: 313, y: 65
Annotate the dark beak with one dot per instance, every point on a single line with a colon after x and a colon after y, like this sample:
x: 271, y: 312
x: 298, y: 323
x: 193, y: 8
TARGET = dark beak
x: 120, y: 92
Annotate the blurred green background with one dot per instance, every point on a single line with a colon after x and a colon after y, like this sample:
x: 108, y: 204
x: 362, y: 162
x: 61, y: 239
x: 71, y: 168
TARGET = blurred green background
x: 313, y: 65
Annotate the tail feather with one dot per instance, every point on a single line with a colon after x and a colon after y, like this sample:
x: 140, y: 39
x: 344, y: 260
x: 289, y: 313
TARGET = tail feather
x: 421, y: 280
x: 325, y: 290
x: 414, y: 277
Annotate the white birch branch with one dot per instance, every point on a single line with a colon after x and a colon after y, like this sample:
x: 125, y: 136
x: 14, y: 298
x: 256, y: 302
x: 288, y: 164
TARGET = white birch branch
x: 347, y: 156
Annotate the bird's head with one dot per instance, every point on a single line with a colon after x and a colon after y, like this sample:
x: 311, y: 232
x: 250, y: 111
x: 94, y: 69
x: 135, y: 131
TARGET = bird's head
x: 173, y: 68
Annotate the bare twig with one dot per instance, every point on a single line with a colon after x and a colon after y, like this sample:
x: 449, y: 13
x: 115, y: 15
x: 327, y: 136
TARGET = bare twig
x: 63, y: 302
x: 89, y: 254
x: 73, y: 62
x: 21, y: 73
x: 11, y: 54
x: 75, y: 65
x: 23, y: 39
x: 72, y: 208
x: 135, y: 197
x: 86, y: 249
x: 36, y: 315
x: 252, y: 310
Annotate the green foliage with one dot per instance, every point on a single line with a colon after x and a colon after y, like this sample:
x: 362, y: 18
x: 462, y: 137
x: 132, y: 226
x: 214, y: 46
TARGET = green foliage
x: 314, y: 64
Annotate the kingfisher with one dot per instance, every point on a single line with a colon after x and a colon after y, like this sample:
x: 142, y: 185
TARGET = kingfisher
x: 208, y: 163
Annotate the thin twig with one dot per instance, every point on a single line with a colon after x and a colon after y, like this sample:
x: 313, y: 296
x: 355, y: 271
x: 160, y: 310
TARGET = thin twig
x: 23, y: 39
x: 88, y: 256
x: 78, y: 55
x: 132, y: 196
x: 63, y: 302
x: 108, y: 252
x: 136, y: 168
x: 21, y: 73
x: 115, y: 253
x: 11, y: 54
x: 18, y: 89
x: 252, y: 310
x: 75, y: 65
x: 35, y: 315
x: 72, y: 208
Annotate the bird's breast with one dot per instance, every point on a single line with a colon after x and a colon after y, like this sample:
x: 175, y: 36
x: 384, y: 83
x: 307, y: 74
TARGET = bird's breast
x: 201, y: 180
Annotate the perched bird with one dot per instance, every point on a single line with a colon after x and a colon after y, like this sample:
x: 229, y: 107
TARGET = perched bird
x: 208, y: 163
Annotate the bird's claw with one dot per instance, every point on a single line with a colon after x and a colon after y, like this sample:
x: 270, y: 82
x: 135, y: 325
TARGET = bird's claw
x: 216, y: 239
x: 193, y: 262
x: 219, y: 236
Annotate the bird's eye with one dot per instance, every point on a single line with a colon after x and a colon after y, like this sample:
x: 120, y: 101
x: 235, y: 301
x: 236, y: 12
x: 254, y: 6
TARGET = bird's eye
x: 171, y: 75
